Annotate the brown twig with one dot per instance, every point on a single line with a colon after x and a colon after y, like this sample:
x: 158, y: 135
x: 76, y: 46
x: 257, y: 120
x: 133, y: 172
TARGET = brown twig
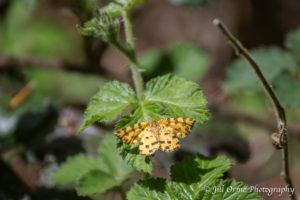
x: 278, y: 109
x: 21, y: 95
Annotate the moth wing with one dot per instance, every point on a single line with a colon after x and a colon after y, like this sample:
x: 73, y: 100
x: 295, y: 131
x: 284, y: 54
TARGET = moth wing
x: 168, y: 141
x: 131, y: 134
x: 181, y: 126
x: 149, y: 142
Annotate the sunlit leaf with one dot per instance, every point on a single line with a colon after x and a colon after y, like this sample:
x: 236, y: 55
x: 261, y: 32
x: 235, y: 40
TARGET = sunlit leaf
x: 151, y: 189
x: 108, y: 103
x: 179, y: 97
x: 194, y: 178
x: 190, y: 176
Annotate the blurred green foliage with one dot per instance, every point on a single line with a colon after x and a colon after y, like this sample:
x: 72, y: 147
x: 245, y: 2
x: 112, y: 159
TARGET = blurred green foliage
x: 24, y: 34
x: 59, y: 85
x: 288, y: 90
x: 272, y: 61
x: 293, y: 43
x: 277, y: 65
x: 181, y: 58
x: 50, y: 86
x: 27, y: 32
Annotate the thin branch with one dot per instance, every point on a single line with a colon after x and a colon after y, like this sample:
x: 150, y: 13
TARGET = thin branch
x: 278, y: 109
x: 21, y: 95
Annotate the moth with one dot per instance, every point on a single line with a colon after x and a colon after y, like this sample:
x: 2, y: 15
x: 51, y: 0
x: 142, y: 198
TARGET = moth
x: 157, y: 134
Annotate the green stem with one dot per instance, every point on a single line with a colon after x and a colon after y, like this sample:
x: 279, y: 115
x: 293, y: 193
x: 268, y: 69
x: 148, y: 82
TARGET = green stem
x: 130, y: 53
x: 128, y: 29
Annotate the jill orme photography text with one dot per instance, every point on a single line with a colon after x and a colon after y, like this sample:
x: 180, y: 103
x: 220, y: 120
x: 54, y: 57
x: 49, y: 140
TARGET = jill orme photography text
x: 268, y: 190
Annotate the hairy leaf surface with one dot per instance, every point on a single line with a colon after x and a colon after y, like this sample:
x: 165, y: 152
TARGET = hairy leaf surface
x: 108, y: 103
x: 194, y: 173
x: 179, y: 97
x: 195, y: 178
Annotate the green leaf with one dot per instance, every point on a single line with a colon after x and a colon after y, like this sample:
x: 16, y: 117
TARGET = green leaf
x: 195, y: 178
x: 108, y: 103
x: 195, y: 172
x: 179, y: 97
x: 151, y: 189
x: 75, y: 167
x: 132, y: 156
x: 288, y: 90
x: 272, y: 61
x: 229, y: 190
x: 293, y: 43
x: 95, y: 181
x: 112, y: 161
